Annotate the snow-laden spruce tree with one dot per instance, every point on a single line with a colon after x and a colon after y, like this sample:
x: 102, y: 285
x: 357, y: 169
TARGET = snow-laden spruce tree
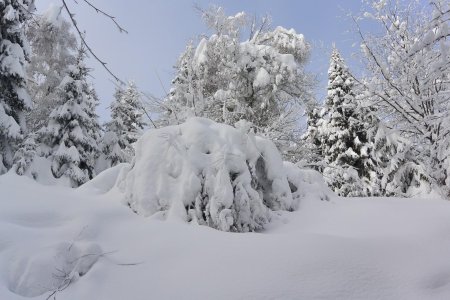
x: 226, y: 78
x: 410, y: 76
x: 70, y: 137
x: 53, y: 48
x: 351, y: 168
x: 14, y: 97
x: 125, y: 127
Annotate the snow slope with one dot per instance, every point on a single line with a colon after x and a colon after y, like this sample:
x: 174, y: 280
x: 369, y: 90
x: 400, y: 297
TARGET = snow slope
x: 372, y: 248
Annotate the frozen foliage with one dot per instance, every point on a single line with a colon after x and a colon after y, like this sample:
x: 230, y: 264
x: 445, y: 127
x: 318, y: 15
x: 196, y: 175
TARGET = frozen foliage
x: 71, y: 135
x: 125, y: 127
x: 261, y: 80
x: 409, y: 77
x: 14, y: 98
x: 53, y: 48
x: 207, y: 173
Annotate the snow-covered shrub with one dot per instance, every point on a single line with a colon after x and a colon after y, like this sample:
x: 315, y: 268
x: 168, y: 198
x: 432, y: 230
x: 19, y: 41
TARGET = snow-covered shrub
x: 306, y: 183
x: 207, y: 173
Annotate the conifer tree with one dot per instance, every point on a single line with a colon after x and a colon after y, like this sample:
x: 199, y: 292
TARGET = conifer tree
x: 125, y: 126
x: 14, y: 97
x: 351, y: 168
x: 69, y: 139
x: 130, y: 112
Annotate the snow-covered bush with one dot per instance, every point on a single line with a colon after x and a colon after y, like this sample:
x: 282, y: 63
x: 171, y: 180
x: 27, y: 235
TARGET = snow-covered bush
x: 207, y: 173
x: 306, y: 183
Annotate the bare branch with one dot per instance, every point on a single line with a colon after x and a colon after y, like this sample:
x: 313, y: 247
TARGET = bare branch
x: 80, y: 34
x: 121, y: 29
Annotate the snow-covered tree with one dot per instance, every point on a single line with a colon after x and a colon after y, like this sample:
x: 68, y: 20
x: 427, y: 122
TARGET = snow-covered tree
x: 111, y: 152
x: 69, y: 138
x: 351, y: 168
x: 129, y: 111
x: 25, y: 155
x: 312, y: 155
x: 14, y: 97
x: 410, y: 76
x: 226, y: 79
x: 53, y: 48
x: 402, y: 174
x: 125, y: 127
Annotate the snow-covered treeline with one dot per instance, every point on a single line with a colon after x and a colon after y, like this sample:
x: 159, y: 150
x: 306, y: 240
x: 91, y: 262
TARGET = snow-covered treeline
x: 384, y: 134
x: 49, y: 127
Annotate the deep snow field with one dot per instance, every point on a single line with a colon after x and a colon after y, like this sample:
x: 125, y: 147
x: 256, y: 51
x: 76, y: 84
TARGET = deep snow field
x: 89, y: 245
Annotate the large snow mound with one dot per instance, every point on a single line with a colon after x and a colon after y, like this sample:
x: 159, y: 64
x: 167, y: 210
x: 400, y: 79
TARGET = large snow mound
x: 207, y: 173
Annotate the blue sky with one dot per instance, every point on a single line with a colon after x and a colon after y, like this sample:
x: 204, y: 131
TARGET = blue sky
x: 159, y: 30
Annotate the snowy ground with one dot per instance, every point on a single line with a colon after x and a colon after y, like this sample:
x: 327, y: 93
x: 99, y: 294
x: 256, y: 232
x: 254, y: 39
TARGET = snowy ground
x: 376, y: 248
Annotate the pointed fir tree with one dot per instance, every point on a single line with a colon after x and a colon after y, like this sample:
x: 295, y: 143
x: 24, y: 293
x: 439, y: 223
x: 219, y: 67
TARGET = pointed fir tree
x: 125, y: 127
x: 69, y: 139
x: 14, y: 98
x: 351, y: 169
x: 130, y: 112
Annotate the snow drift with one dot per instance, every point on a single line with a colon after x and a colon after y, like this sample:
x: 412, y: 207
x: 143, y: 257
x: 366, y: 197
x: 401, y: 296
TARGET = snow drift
x: 207, y: 173
x: 342, y: 249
